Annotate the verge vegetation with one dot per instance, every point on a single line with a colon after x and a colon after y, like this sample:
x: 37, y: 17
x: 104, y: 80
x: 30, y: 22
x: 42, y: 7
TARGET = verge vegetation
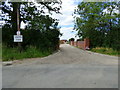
x: 108, y: 51
x: 10, y: 54
x: 41, y: 32
x: 100, y: 22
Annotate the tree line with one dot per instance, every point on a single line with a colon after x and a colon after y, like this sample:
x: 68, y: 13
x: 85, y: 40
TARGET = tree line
x: 100, y: 22
x: 41, y: 31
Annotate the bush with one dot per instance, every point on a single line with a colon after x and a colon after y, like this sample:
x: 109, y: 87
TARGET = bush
x: 30, y: 52
x: 45, y: 40
x: 103, y: 50
x: 71, y: 39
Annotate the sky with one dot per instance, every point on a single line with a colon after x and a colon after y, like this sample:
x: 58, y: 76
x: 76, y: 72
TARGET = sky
x: 66, y: 20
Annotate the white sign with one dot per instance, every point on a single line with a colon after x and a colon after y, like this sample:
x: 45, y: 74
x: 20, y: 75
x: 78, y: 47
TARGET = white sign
x: 18, y: 38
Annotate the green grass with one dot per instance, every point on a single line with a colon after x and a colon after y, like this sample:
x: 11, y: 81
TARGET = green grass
x: 9, y: 54
x: 0, y: 51
x: 108, y: 51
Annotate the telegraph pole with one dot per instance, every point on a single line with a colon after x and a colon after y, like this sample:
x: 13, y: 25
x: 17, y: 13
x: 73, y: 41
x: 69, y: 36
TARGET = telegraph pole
x: 18, y: 25
x: 18, y: 20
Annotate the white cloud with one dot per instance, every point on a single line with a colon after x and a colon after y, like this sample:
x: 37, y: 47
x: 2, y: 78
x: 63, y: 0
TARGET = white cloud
x: 67, y: 10
x: 68, y: 33
x: 66, y: 19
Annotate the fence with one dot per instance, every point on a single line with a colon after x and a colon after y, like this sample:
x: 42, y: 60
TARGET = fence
x: 81, y: 44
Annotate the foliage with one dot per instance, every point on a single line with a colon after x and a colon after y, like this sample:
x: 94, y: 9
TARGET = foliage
x: 42, y: 40
x: 0, y: 51
x: 31, y: 52
x: 71, y: 39
x: 26, y: 11
x: 100, y: 22
x: 41, y: 31
x: 108, y: 51
x: 79, y: 39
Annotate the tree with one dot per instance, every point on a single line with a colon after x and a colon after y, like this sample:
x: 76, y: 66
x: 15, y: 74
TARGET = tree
x: 96, y: 21
x: 25, y: 11
x: 42, y: 30
x: 71, y: 39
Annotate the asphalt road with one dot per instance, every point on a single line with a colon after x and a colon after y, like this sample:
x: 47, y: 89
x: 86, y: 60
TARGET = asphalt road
x: 69, y: 68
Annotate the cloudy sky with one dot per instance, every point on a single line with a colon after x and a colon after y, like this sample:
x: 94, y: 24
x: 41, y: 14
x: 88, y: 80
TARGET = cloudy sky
x: 66, y: 19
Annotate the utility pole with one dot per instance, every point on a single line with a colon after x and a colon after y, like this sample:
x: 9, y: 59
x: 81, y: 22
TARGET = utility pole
x: 18, y: 20
x: 18, y: 26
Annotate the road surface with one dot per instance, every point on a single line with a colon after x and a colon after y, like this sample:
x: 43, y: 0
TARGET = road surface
x: 70, y: 67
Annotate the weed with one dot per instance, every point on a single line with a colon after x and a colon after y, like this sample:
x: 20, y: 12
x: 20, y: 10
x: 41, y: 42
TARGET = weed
x: 31, y: 52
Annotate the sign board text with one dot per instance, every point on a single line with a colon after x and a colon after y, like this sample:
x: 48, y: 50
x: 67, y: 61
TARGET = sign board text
x: 18, y: 38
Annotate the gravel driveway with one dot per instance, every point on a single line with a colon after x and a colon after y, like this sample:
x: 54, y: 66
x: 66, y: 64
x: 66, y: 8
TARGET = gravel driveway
x: 70, y: 67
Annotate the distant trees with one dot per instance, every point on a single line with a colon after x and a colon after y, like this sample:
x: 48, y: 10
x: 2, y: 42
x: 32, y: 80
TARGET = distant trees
x: 41, y: 30
x: 71, y: 39
x: 79, y: 40
x: 100, y: 22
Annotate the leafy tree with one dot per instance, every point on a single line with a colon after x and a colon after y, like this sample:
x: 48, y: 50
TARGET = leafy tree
x: 25, y: 11
x: 97, y: 21
x: 71, y: 39
x: 42, y: 30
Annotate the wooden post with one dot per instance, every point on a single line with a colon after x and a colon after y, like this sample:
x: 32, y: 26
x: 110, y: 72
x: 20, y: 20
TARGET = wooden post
x: 18, y: 21
x: 18, y: 25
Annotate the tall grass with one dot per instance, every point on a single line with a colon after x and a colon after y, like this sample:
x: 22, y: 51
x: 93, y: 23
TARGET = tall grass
x: 13, y: 53
x: 108, y: 51
x: 0, y: 51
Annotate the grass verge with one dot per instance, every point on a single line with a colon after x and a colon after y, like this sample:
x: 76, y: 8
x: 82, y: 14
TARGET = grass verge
x: 9, y: 54
x: 107, y: 51
x: 0, y: 52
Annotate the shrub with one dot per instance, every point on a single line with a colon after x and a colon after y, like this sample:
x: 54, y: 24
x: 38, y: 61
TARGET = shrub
x: 30, y: 52
x: 103, y: 50
x: 46, y: 40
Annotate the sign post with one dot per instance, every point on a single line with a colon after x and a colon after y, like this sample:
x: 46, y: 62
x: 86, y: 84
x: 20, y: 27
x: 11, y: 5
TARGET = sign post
x: 18, y: 38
